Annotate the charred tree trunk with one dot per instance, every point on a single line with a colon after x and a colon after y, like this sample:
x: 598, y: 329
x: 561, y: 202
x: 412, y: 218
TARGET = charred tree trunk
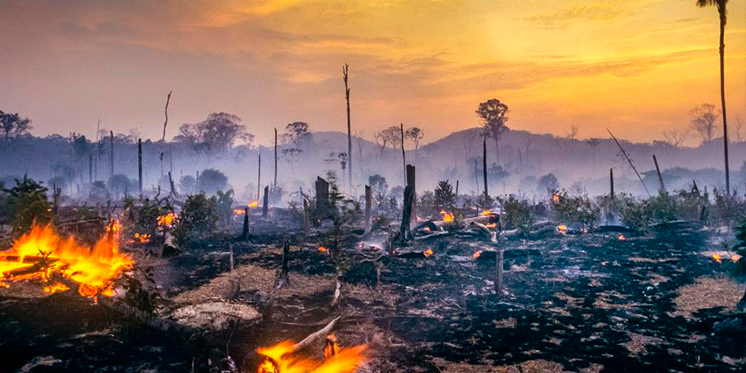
x: 484, y: 169
x: 456, y: 188
x: 662, y: 186
x: 322, y: 198
x: 265, y: 205
x: 345, y: 73
x: 246, y: 227
x: 611, y: 183
x: 405, y: 230
x: 174, y: 192
x: 139, y: 167
x: 410, y: 171
x: 368, y: 201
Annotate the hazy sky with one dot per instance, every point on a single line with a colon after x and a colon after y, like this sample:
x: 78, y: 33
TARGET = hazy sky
x: 635, y: 66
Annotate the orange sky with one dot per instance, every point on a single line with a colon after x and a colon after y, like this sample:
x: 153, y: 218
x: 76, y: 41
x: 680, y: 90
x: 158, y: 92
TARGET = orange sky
x: 634, y: 66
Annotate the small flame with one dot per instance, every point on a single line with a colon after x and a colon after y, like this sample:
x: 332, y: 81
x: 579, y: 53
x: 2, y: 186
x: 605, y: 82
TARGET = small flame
x: 562, y: 228
x: 621, y: 237
x: 427, y: 253
x: 734, y: 258
x: 323, y: 249
x: 239, y: 211
x: 254, y: 204
x: 486, y: 213
x: 717, y: 258
x: 477, y: 254
x: 167, y: 220
x: 555, y: 198
x: 280, y: 359
x: 114, y: 226
x: 331, y: 348
x: 447, y: 217
x: 491, y: 225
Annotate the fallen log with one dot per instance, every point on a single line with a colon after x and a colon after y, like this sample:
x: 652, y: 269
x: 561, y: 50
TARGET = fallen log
x: 316, y: 335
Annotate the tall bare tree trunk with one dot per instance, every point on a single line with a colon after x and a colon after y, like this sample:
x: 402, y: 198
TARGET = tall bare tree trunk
x: 345, y: 72
x: 722, y: 98
x: 111, y: 153
x: 274, y: 183
x: 403, y: 154
x: 259, y: 179
x: 484, y: 168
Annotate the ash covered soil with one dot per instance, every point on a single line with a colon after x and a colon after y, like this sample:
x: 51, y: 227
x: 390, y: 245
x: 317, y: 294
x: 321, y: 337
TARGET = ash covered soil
x: 588, y: 303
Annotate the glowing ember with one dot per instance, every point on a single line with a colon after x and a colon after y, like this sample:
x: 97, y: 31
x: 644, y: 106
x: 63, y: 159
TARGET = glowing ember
x: 44, y: 256
x: 562, y: 228
x: 114, y: 226
x: 254, y: 204
x: 279, y: 359
x: 491, y: 225
x: 734, y: 258
x: 167, y: 220
x: 323, y: 249
x: 427, y: 253
x: 141, y: 238
x: 555, y: 198
x: 447, y: 217
x: 331, y: 347
x: 717, y: 258
x: 239, y: 211
x: 486, y: 213
x: 478, y: 254
x: 621, y: 237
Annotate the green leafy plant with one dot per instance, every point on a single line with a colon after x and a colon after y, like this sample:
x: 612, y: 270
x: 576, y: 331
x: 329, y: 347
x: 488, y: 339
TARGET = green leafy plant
x: 516, y: 214
x: 574, y: 209
x: 198, y: 219
x: 27, y: 203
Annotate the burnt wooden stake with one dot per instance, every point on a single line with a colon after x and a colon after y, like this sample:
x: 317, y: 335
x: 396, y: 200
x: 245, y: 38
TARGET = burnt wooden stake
x: 630, y: 161
x: 139, y: 167
x: 456, y: 188
x: 306, y: 221
x: 406, y: 219
x: 611, y: 183
x: 662, y: 187
x: 484, y: 168
x: 368, y: 201
x: 246, y: 227
x: 322, y: 198
x: 265, y: 206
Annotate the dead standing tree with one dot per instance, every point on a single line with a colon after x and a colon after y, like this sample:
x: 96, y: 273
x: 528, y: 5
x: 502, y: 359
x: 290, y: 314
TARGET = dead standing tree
x: 165, y: 124
x: 345, y: 73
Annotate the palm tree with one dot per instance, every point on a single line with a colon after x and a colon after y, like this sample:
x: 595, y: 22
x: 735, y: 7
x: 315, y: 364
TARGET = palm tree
x: 723, y: 13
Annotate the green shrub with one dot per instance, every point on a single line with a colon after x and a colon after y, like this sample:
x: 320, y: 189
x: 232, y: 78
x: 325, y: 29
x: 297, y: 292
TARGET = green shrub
x: 516, y: 214
x: 27, y: 203
x: 198, y: 219
x: 574, y: 209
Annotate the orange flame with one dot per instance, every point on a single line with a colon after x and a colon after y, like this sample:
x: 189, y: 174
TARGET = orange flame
x: 477, y: 254
x: 621, y: 237
x: 562, y: 228
x: 279, y: 359
x: 239, y: 211
x: 427, y: 253
x: 254, y: 204
x: 323, y: 249
x: 447, y: 217
x: 486, y: 213
x: 555, y: 198
x: 734, y: 258
x: 717, y: 258
x: 167, y: 220
x: 331, y: 348
x: 45, y: 255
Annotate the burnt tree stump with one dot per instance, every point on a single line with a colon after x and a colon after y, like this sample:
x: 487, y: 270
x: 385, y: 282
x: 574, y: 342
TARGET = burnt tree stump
x: 322, y: 198
x: 265, y: 206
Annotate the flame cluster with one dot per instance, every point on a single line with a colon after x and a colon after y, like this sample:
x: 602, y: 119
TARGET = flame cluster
x: 280, y: 359
x: 562, y: 228
x: 166, y: 220
x: 141, y: 238
x: 43, y: 255
x: 477, y: 254
x: 447, y: 216
x: 427, y: 253
x: 254, y: 204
